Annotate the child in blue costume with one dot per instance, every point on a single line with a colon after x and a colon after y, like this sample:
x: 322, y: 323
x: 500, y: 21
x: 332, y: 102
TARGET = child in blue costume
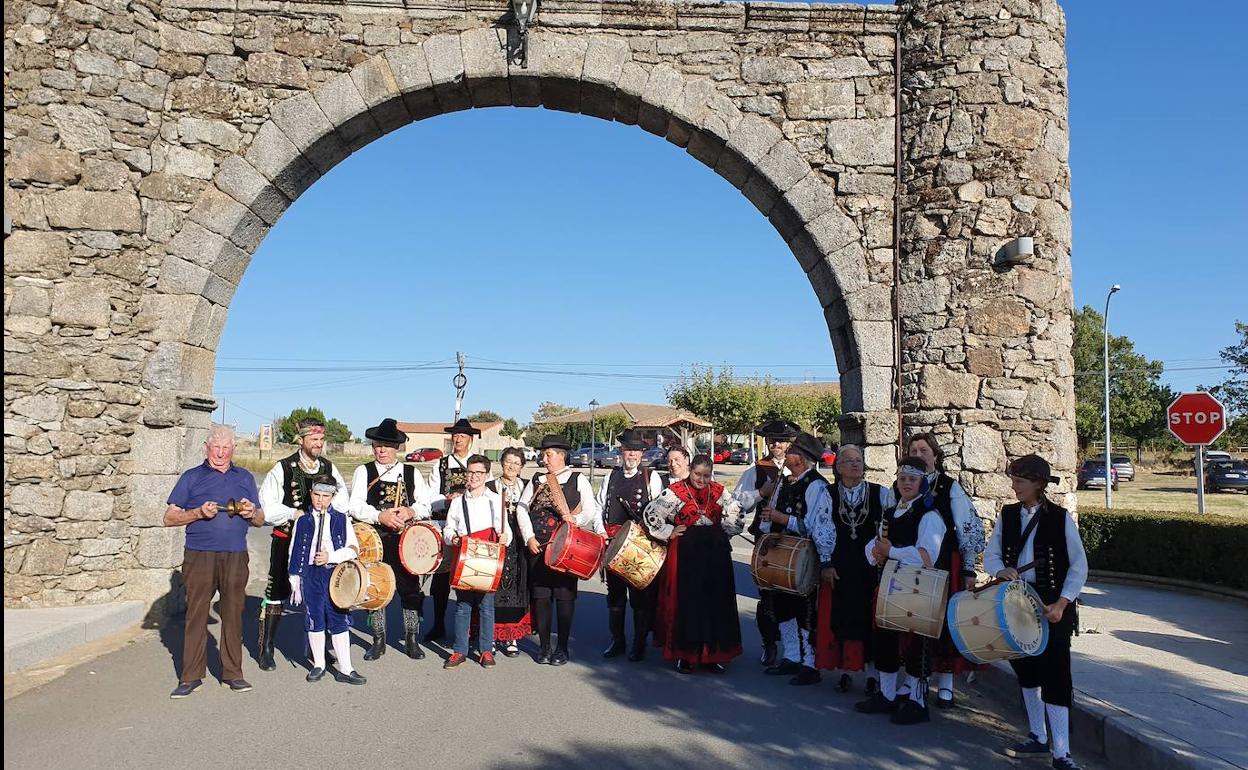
x: 322, y: 538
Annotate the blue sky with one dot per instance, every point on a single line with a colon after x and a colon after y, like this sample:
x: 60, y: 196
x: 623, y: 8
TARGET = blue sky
x: 604, y: 260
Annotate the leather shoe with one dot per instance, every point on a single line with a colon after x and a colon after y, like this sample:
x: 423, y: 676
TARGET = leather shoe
x: 236, y: 685
x: 876, y: 703
x: 184, y: 689
x: 454, y: 660
x: 511, y: 650
x: 315, y: 674
x: 350, y: 677
x: 487, y: 660
x: 944, y: 703
x: 377, y: 649
x: 806, y: 676
x: 558, y: 658
x: 768, y: 658
x: 638, y: 653
x: 910, y: 713
x: 714, y: 668
x: 784, y: 668
x: 873, y: 686
x: 615, y: 649
x: 844, y: 683
x: 683, y: 667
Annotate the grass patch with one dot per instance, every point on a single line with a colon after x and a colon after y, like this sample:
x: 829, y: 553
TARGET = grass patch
x: 1165, y: 491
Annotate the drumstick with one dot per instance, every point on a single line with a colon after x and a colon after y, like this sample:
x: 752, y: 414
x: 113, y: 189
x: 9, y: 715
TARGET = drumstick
x: 997, y: 581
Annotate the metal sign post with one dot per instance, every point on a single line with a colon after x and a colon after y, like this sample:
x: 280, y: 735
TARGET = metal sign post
x: 1200, y: 478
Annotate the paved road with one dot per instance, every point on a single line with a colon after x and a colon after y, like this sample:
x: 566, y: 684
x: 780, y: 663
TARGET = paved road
x: 115, y: 711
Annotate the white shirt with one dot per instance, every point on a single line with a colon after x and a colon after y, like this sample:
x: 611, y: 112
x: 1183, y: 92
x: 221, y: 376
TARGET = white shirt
x: 655, y: 487
x: 274, y: 487
x: 349, y: 550
x: 1076, y: 576
x: 746, y: 494
x: 484, y: 511
x: 360, y: 509
x: 438, y: 501
x: 588, y: 518
x: 931, y: 534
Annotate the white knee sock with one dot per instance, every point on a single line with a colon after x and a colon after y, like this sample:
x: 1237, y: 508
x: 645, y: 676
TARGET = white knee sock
x: 918, y: 689
x: 316, y: 640
x: 808, y: 652
x: 1059, y: 722
x: 342, y: 651
x: 903, y: 685
x: 1035, y: 713
x: 944, y: 681
x: 788, y: 638
x: 888, y: 684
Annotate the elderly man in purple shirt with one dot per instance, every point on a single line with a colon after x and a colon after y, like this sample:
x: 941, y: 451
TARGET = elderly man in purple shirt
x: 215, y: 559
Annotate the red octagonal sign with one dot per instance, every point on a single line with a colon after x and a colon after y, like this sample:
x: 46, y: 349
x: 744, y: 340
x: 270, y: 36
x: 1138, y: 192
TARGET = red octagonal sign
x: 1196, y: 418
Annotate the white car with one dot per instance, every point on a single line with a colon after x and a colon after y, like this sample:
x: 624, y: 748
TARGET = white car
x: 530, y: 454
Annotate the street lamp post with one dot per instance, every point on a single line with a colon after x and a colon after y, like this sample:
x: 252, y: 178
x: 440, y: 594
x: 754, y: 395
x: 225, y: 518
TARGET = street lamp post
x: 1109, y: 466
x: 593, y: 437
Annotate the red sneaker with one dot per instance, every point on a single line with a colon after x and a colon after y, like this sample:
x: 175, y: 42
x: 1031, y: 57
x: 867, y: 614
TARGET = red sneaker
x: 454, y: 660
x: 487, y: 660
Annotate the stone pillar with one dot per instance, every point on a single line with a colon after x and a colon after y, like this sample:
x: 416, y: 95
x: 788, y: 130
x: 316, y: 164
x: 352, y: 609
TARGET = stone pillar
x: 986, y: 362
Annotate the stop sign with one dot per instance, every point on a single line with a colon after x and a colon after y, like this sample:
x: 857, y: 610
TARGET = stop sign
x: 1196, y: 418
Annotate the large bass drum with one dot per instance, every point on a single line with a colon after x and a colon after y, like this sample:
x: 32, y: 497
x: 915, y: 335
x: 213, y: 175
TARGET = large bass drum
x: 575, y: 550
x: 369, y: 540
x: 912, y: 599
x: 422, y: 550
x: 478, y: 565
x: 785, y: 563
x: 356, y: 585
x: 999, y: 623
x: 635, y: 556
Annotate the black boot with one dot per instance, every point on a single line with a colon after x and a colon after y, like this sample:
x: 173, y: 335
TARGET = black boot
x: 270, y: 617
x: 411, y: 634
x: 641, y: 627
x: 768, y: 658
x: 377, y: 622
x: 615, y: 620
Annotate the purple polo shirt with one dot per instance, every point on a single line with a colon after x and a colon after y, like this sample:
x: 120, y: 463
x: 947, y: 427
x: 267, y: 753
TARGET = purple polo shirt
x: 203, y: 483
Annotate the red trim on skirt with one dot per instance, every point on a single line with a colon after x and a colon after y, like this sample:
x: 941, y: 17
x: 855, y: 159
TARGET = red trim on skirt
x: 830, y: 652
x: 665, y: 619
x: 513, y: 632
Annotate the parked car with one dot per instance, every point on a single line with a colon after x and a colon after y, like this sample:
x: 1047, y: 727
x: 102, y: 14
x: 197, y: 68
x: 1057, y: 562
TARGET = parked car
x: 721, y: 455
x: 1226, y: 475
x: 829, y: 458
x: 740, y: 456
x: 530, y: 454
x: 427, y: 454
x: 586, y: 454
x: 1216, y: 455
x: 608, y: 459
x: 1092, y: 474
x: 656, y: 458
x: 1122, y: 464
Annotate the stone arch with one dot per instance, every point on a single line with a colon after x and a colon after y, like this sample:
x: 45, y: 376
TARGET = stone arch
x: 593, y: 74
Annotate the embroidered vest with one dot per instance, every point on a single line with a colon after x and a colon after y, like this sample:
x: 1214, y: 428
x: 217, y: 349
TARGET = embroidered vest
x: 384, y: 494
x: 626, y: 497
x: 543, y: 514
x: 297, y: 490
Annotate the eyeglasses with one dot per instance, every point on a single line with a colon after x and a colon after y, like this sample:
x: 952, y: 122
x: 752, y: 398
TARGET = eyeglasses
x: 478, y: 473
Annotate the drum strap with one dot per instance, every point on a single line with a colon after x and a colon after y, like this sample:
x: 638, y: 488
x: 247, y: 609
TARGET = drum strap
x: 1022, y: 541
x: 468, y: 516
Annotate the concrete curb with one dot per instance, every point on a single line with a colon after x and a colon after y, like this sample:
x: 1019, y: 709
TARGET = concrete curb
x: 1130, y: 578
x: 33, y: 636
x: 1124, y: 740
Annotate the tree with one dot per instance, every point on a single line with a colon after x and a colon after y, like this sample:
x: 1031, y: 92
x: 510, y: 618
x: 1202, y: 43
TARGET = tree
x: 511, y: 428
x: 736, y: 405
x: 1137, y: 399
x: 546, y: 410
x: 288, y: 431
x: 1234, y: 391
x: 485, y: 415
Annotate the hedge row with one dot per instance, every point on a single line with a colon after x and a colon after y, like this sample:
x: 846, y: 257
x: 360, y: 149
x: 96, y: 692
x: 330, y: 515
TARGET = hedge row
x: 1205, y: 549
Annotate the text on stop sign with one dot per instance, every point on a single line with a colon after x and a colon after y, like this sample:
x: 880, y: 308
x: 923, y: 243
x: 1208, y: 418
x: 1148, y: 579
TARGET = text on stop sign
x: 1195, y: 418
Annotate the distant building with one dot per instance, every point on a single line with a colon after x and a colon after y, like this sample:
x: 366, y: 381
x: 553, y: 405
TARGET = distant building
x: 651, y: 420
x: 433, y: 434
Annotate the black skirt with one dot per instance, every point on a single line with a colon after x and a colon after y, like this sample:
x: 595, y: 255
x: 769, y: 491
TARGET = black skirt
x: 701, y: 624
x: 511, y: 602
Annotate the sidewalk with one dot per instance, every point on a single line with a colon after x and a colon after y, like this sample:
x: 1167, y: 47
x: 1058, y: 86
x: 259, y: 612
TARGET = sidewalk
x: 1161, y: 677
x: 33, y: 636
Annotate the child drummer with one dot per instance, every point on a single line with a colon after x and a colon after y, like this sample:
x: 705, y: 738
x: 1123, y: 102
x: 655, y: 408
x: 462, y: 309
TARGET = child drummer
x: 321, y: 539
x: 1037, y: 529
x: 479, y: 514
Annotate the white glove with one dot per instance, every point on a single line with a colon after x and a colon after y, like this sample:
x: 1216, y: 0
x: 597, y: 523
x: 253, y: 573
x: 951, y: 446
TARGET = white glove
x: 296, y: 591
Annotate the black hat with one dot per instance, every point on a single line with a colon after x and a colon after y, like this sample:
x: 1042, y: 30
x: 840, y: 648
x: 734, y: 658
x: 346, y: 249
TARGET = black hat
x: 387, y: 432
x: 462, y: 426
x: 808, y: 446
x: 555, y: 441
x: 1033, y: 467
x: 631, y: 439
x: 781, y: 429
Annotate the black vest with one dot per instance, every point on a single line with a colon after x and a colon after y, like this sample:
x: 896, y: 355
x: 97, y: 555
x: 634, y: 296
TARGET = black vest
x: 382, y: 494
x: 855, y: 526
x: 543, y: 515
x: 298, y: 485
x: 904, y: 532
x: 1049, y: 546
x: 792, y: 497
x: 635, y: 494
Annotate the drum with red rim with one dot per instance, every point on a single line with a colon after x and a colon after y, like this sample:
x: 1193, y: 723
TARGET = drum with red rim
x: 575, y: 550
x: 478, y: 565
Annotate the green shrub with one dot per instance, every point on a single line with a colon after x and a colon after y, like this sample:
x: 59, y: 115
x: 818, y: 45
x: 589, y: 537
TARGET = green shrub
x: 1185, y: 546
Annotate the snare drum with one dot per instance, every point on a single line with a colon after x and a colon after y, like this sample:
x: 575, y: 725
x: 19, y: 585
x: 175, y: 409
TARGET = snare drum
x: 912, y: 599
x: 785, y: 563
x: 635, y: 556
x: 575, y: 550
x: 370, y: 541
x: 478, y: 565
x: 999, y: 623
x: 422, y: 551
x: 357, y: 585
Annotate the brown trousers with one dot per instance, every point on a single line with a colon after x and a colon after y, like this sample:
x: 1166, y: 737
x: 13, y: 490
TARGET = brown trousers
x: 205, y: 574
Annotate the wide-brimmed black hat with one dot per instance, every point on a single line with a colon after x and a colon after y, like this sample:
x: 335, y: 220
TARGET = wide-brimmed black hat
x: 462, y: 426
x: 386, y: 433
x: 555, y: 441
x: 808, y: 446
x: 1033, y: 467
x: 631, y: 439
x: 781, y: 429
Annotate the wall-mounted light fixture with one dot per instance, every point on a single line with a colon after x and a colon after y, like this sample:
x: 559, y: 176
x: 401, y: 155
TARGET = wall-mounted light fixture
x: 1019, y: 251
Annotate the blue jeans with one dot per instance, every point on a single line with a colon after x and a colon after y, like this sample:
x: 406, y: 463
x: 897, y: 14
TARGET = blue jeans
x: 465, y: 602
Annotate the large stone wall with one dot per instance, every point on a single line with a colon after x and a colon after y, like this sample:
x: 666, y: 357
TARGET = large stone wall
x: 149, y: 147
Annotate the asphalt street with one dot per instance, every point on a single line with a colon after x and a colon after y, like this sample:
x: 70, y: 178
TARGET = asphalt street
x: 115, y: 711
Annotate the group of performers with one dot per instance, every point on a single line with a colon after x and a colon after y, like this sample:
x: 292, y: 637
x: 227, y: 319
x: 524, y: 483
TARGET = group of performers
x: 925, y: 520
